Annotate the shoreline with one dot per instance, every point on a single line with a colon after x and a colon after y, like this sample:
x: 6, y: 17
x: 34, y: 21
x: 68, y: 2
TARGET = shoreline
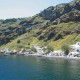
x: 57, y: 57
x: 54, y: 57
x: 60, y: 57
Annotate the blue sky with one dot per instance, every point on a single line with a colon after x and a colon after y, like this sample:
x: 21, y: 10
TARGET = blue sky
x: 25, y: 8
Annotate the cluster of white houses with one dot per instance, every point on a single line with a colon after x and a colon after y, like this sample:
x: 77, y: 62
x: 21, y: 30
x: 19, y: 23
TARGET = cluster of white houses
x: 76, y: 47
x: 74, y: 52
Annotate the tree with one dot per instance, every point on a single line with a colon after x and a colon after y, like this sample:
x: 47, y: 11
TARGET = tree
x: 66, y: 49
x: 50, y: 48
x: 33, y: 49
x: 18, y: 41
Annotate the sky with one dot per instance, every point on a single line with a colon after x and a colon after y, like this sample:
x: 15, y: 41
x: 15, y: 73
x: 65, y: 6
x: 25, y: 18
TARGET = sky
x: 25, y: 8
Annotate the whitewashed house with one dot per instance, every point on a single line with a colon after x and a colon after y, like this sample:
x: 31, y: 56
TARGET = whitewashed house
x: 55, y: 53
x: 73, y: 54
x: 39, y: 49
x: 75, y: 50
x: 75, y: 47
x: 58, y: 53
x: 6, y: 51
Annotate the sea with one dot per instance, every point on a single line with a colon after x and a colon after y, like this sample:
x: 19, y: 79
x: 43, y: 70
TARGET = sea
x: 21, y: 67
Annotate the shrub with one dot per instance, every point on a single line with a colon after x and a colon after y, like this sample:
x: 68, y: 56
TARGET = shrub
x: 33, y: 49
x: 66, y: 49
x: 50, y: 48
x: 18, y: 41
x: 41, y: 37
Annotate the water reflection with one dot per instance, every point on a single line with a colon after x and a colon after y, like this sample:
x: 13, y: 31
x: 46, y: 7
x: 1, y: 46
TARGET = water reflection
x: 62, y: 69
x: 38, y: 68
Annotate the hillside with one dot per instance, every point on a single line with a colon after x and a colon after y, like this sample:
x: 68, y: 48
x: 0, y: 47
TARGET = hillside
x: 55, y: 26
x: 12, y: 28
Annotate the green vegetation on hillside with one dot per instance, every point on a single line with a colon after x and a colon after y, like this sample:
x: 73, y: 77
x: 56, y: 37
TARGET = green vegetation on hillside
x: 66, y: 30
x: 55, y: 26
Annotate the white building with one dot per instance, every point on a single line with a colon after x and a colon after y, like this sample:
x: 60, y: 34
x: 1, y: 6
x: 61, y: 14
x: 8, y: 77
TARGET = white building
x: 55, y: 53
x: 73, y: 54
x: 76, y: 47
x: 39, y: 49
x: 58, y: 53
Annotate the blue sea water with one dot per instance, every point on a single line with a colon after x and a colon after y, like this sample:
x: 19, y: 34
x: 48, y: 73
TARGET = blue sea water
x: 38, y: 68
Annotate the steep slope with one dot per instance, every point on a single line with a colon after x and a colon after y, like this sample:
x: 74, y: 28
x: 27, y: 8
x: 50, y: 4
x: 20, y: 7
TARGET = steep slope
x: 12, y: 28
x: 54, y: 26
x: 71, y: 16
x: 54, y: 35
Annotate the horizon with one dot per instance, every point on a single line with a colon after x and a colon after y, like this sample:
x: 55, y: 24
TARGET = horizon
x: 22, y: 8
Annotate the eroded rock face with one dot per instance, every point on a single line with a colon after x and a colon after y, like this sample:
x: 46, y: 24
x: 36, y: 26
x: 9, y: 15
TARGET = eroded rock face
x: 75, y: 4
x: 72, y: 16
x: 51, y: 13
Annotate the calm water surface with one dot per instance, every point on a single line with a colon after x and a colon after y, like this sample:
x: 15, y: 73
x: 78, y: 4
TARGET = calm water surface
x: 38, y: 68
